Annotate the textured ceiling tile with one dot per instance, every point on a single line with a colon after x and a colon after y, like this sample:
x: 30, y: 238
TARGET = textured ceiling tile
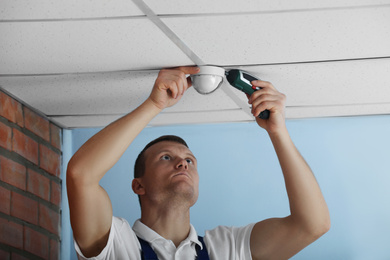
x: 286, y: 37
x: 104, y: 93
x: 69, y: 9
x: 88, y: 121
x: 85, y: 46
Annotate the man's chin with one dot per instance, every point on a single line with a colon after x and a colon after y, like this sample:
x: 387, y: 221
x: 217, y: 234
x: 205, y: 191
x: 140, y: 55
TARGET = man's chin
x: 186, y: 193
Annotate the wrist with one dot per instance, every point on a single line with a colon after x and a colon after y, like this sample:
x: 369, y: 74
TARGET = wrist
x: 150, y: 107
x: 278, y: 133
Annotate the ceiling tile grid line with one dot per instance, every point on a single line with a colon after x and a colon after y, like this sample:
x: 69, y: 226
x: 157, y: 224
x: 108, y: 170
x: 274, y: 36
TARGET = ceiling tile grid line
x: 157, y: 69
x: 318, y: 107
x: 74, y: 19
x: 236, y: 116
x: 243, y: 13
x: 173, y: 7
x: 37, y: 10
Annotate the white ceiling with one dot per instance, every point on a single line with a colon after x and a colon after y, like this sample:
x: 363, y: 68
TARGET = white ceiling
x: 84, y: 63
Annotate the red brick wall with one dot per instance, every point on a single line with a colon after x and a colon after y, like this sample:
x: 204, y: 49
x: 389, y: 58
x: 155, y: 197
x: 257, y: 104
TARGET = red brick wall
x: 30, y: 184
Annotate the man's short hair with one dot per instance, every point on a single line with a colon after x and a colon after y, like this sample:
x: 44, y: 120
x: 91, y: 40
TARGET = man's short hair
x: 139, y: 166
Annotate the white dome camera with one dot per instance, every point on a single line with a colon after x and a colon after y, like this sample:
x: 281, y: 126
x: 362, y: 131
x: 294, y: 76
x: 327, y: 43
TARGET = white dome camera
x: 208, y: 79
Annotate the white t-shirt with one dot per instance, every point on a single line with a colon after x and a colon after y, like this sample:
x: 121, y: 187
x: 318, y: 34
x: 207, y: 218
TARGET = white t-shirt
x: 223, y: 243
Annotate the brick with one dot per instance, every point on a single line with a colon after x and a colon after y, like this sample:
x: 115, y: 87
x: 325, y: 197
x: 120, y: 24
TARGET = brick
x: 37, y: 124
x: 49, y: 160
x: 55, y: 196
x: 36, y: 243
x: 11, y: 233
x: 4, y: 255
x: 54, y: 250
x: 38, y: 184
x: 5, y: 136
x: 24, y: 208
x: 11, y: 109
x: 5, y: 201
x: 25, y: 146
x: 55, y: 136
x: 12, y: 173
x: 49, y: 219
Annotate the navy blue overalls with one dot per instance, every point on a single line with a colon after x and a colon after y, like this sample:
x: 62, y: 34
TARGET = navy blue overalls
x: 148, y: 253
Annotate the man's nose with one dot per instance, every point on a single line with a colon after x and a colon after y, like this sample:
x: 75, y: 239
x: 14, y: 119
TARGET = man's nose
x: 182, y: 164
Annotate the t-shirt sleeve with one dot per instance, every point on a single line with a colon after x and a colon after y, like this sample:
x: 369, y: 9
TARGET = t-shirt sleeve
x: 229, y: 242
x: 122, y: 243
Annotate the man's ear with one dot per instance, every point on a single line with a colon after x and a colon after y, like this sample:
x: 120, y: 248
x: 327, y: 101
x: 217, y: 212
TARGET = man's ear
x: 137, y: 186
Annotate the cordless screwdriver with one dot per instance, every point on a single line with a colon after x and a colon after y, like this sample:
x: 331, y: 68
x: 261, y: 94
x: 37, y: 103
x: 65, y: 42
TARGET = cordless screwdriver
x: 242, y: 81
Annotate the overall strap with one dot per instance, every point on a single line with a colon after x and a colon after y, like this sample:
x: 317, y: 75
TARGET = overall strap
x: 202, y: 254
x: 148, y: 253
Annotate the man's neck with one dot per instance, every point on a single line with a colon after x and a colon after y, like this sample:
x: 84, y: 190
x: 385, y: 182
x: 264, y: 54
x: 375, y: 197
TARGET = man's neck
x: 170, y: 223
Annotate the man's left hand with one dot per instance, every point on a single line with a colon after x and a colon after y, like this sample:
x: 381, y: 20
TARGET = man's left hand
x: 268, y: 98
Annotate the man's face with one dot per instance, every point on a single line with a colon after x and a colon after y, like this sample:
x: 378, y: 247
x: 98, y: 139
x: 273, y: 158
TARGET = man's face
x: 171, y: 173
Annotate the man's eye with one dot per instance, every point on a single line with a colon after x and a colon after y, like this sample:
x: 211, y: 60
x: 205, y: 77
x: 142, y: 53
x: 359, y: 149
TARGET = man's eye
x: 189, y: 161
x: 165, y: 157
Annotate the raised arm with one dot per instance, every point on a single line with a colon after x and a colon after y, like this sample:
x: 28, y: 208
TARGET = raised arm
x: 90, y: 206
x: 281, y: 238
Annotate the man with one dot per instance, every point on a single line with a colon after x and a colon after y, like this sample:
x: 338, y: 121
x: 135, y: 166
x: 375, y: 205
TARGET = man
x: 167, y: 185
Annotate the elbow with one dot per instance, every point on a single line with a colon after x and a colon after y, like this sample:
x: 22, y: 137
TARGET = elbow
x: 326, y: 225
x: 320, y: 228
x: 80, y: 174
x: 72, y: 170
x: 323, y: 228
x: 74, y: 173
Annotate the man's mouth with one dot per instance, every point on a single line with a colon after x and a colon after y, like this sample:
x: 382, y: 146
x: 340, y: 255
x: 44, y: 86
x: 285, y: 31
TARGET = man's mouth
x: 182, y: 174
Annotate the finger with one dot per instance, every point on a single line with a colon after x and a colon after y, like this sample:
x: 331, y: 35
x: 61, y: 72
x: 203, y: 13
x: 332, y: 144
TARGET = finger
x: 189, y: 69
x: 263, y: 106
x: 271, y: 105
x: 184, y: 83
x: 260, y: 92
x: 263, y: 98
x: 181, y: 82
x: 263, y: 84
x: 181, y: 79
x: 189, y: 82
x: 172, y: 87
x: 261, y: 101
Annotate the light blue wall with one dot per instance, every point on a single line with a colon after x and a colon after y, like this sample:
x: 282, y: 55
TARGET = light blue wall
x: 241, y: 181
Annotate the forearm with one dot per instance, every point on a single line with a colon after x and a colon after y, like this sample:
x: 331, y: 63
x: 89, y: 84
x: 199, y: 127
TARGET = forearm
x: 104, y: 149
x: 307, y: 204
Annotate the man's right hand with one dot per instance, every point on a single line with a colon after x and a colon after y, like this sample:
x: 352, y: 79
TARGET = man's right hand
x: 170, y: 86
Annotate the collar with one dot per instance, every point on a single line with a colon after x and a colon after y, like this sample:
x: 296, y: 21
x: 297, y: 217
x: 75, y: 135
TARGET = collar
x: 149, y: 235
